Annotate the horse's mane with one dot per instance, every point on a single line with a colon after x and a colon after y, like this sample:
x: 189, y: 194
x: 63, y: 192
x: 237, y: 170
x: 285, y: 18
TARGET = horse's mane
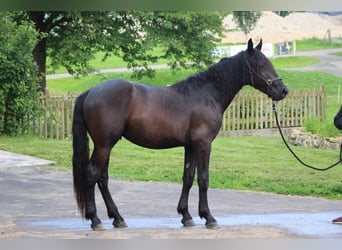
x: 220, y: 77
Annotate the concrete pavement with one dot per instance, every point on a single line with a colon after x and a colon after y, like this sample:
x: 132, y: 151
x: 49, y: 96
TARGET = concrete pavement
x: 37, y: 201
x: 329, y: 63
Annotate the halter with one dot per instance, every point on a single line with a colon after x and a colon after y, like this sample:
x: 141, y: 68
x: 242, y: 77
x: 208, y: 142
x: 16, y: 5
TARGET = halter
x: 251, y: 71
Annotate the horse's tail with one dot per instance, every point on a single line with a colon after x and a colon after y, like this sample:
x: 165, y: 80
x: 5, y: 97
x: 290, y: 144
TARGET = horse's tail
x: 80, y: 157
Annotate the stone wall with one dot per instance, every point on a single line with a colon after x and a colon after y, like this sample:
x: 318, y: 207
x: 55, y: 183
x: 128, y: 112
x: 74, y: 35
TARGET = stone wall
x: 309, y: 140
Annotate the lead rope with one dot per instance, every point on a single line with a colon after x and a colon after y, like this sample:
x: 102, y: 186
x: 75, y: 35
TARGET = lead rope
x: 294, y: 154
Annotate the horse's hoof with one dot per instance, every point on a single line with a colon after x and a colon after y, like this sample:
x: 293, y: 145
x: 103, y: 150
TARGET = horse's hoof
x: 119, y: 224
x: 188, y: 223
x: 212, y: 225
x: 97, y: 227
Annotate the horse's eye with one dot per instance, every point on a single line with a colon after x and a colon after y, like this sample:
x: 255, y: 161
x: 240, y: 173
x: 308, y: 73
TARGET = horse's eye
x: 269, y: 81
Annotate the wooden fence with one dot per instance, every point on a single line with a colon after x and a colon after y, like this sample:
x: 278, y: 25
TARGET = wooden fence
x: 253, y: 110
x: 249, y: 110
x: 56, y: 118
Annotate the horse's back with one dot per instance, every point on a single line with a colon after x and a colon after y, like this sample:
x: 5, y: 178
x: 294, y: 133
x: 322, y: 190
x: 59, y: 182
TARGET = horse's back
x: 108, y: 89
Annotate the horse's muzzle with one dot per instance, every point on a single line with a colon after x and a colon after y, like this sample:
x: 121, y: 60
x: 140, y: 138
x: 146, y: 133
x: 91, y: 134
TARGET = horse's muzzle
x: 285, y: 91
x: 278, y: 93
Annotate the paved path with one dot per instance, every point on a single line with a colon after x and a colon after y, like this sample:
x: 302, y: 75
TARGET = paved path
x: 329, y: 63
x: 37, y: 201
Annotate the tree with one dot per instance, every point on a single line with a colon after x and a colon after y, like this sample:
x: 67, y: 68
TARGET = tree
x: 71, y: 39
x: 283, y: 13
x: 18, y: 85
x: 246, y: 20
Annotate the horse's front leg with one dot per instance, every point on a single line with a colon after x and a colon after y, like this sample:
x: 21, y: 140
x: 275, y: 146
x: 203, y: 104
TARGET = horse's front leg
x: 202, y: 159
x: 188, y: 178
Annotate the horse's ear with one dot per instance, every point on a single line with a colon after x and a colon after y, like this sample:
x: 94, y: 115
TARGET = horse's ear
x: 258, y: 47
x: 250, y: 46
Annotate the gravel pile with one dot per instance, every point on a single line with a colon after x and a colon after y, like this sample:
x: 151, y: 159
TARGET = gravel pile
x: 275, y: 29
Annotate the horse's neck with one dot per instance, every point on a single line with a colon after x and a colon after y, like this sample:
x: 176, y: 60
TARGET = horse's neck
x: 229, y: 79
x: 218, y: 84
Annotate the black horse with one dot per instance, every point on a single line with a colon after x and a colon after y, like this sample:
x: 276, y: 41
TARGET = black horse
x: 188, y: 114
x: 338, y: 119
x: 338, y: 125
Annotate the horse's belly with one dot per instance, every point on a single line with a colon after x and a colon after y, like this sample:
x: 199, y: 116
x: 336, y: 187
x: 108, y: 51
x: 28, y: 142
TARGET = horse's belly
x: 154, y: 136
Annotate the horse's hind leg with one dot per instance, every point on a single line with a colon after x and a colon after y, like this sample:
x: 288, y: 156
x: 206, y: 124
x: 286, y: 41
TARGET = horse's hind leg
x: 112, y: 209
x: 97, y: 165
x: 188, y: 178
x: 93, y: 174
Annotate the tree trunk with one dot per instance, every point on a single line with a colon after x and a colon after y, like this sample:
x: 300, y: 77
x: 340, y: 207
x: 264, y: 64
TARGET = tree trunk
x: 39, y: 52
x: 39, y: 55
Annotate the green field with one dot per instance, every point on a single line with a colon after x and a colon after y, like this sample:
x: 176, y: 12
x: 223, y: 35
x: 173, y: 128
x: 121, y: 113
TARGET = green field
x: 245, y: 163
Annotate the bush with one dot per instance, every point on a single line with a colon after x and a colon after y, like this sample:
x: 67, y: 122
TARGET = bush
x: 18, y: 83
x: 324, y: 129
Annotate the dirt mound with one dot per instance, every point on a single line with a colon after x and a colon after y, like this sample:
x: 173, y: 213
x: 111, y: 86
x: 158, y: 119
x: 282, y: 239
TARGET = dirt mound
x: 298, y: 25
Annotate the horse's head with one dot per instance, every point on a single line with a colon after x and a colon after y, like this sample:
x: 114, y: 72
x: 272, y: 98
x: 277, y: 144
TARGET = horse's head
x: 261, y: 74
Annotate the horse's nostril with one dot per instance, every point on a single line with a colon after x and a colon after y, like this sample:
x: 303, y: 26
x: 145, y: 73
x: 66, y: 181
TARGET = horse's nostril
x: 285, y: 91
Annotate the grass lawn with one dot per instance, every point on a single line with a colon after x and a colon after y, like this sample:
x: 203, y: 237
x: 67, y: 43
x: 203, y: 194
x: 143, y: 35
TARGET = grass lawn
x: 244, y: 163
x: 293, y: 61
x: 111, y: 62
x: 78, y: 85
x: 315, y: 44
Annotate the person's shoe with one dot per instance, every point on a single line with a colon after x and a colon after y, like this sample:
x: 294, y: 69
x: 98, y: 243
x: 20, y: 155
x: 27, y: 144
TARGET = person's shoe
x: 337, y: 220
